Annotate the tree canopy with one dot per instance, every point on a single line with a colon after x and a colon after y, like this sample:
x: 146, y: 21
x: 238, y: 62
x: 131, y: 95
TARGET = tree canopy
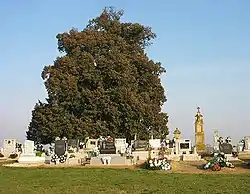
x: 104, y: 84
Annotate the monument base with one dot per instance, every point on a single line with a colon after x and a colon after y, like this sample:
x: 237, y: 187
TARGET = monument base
x: 115, y: 159
x: 108, y: 151
x: 191, y: 157
x: 174, y: 157
x: 30, y: 159
x: 184, y: 157
x: 200, y: 147
x: 142, y: 155
x: 231, y: 158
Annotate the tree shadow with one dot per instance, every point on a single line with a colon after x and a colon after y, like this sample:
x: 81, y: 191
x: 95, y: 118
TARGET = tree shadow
x: 199, y: 166
x: 242, y: 164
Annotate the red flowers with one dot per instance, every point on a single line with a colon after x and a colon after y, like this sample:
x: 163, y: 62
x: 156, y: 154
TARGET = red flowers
x: 216, y: 167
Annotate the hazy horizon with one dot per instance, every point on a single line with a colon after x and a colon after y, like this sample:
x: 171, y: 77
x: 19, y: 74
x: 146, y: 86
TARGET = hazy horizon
x: 204, y: 46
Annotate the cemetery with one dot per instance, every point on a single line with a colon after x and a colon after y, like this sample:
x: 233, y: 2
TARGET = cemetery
x: 103, y: 127
x: 152, y: 154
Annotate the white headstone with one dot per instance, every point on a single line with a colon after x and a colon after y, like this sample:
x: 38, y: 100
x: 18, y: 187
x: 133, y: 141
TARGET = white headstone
x: 123, y: 149
x: 28, y: 156
x: 9, y: 147
x: 240, y: 146
x: 184, y: 146
x: 155, y: 143
x: 247, y: 143
x: 120, y: 144
x: 216, y: 137
x: 91, y: 143
x: 28, y: 147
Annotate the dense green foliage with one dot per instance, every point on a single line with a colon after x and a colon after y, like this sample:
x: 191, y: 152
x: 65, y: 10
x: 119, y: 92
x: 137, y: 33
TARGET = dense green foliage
x: 105, y: 84
x: 84, y: 180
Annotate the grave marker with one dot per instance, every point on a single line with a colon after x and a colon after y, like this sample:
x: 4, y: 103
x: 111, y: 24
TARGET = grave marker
x: 60, y: 147
x: 108, y: 146
x: 140, y: 144
x: 226, y: 148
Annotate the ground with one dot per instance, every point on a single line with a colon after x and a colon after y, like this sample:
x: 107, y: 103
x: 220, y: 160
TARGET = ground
x: 125, y: 180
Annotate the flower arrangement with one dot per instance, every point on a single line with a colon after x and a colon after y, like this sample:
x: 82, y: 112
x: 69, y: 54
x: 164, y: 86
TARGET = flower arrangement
x: 217, y: 162
x: 58, y: 159
x: 158, y: 164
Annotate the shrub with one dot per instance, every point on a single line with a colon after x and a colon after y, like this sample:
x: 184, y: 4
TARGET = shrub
x: 39, y: 154
x: 72, y: 156
x: 13, y: 156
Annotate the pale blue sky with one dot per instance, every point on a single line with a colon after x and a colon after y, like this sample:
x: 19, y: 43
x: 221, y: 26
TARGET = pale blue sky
x: 203, y: 44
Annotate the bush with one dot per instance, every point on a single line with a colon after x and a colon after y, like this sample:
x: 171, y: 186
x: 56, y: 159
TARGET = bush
x: 1, y: 155
x: 39, y: 154
x: 13, y: 156
x: 72, y: 156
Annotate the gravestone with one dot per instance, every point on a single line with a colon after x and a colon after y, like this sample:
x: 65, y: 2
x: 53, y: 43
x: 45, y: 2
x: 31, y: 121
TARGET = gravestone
x: 28, y: 155
x: 216, y: 137
x: 155, y: 143
x: 240, y: 146
x: 9, y: 147
x: 120, y: 145
x: 108, y: 146
x: 247, y: 143
x: 226, y: 148
x: 28, y: 147
x: 73, y: 143
x: 184, y: 146
x: 140, y: 145
x: 60, y: 147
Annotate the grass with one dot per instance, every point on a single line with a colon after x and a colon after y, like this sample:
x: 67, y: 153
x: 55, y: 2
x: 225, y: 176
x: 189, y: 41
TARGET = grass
x: 97, y: 180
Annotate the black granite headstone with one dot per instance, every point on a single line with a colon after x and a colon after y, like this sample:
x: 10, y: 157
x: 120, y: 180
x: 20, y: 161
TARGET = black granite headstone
x: 140, y: 145
x: 60, y: 147
x: 73, y: 143
x: 226, y: 148
x: 108, y: 146
x: 184, y: 145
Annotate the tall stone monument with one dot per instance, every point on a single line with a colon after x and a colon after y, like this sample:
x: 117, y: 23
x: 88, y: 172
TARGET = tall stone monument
x: 216, y: 137
x: 199, y: 132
